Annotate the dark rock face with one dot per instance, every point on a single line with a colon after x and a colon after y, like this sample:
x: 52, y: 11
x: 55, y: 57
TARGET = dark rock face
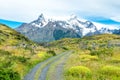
x: 116, y: 31
x: 47, y: 33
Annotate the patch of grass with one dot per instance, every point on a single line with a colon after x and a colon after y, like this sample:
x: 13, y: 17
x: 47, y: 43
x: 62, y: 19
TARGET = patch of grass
x: 110, y: 71
x: 88, y: 57
x: 9, y: 74
x: 3, y: 52
x: 115, y: 60
x: 79, y: 71
x: 102, y: 51
x: 83, y: 58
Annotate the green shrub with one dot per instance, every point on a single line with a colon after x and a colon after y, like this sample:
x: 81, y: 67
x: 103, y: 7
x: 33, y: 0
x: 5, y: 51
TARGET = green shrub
x: 22, y: 59
x: 3, y: 52
x: 79, y: 71
x: 114, y: 60
x: 102, y: 51
x: 51, y: 52
x: 6, y: 64
x: 110, y: 71
x: 8, y: 74
x: 64, y: 48
x: 88, y: 57
x: 19, y: 58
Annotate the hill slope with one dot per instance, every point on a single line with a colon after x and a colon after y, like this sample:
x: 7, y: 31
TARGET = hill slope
x: 18, y: 54
x: 95, y: 57
x: 77, y: 41
x: 11, y: 37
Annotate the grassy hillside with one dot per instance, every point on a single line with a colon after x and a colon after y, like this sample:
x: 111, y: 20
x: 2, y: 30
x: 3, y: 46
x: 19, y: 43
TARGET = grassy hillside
x: 97, y: 41
x: 18, y: 54
x: 94, y: 58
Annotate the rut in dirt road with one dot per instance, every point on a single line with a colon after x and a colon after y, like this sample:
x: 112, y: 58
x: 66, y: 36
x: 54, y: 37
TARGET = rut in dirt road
x: 39, y: 72
x: 56, y: 69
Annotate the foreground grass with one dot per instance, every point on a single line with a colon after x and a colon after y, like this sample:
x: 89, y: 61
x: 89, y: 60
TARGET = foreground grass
x: 101, y: 68
x: 100, y: 54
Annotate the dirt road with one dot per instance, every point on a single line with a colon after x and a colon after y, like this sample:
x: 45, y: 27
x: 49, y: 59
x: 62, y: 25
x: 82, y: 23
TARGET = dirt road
x: 51, y: 69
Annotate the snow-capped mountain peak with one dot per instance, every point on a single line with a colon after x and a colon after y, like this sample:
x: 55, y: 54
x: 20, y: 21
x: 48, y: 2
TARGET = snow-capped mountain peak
x: 105, y: 30
x: 73, y: 27
x: 89, y: 24
x: 40, y: 22
x: 82, y: 28
x: 41, y: 18
x: 73, y: 17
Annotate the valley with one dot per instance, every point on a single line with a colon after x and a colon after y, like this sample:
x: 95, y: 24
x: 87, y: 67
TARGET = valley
x: 89, y: 58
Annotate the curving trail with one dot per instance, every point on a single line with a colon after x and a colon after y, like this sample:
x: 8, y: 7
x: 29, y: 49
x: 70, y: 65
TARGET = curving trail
x: 51, y: 69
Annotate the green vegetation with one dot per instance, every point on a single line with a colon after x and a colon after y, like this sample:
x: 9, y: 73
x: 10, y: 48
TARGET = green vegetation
x: 18, y: 54
x: 94, y: 53
x: 79, y: 71
x: 110, y: 71
x: 8, y: 74
x: 51, y: 52
x: 93, y: 58
x: 102, y: 51
x: 88, y: 57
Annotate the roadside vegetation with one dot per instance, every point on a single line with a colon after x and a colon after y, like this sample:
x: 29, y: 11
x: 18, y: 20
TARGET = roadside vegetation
x: 18, y: 54
x: 94, y: 58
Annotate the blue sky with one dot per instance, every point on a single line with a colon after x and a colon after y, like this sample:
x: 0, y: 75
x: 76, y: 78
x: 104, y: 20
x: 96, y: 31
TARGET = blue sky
x: 12, y: 24
x: 102, y: 11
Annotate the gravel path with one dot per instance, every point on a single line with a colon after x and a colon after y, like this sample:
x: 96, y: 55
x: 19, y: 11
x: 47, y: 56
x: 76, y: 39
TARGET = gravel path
x: 59, y: 68
x: 39, y: 72
x: 56, y: 69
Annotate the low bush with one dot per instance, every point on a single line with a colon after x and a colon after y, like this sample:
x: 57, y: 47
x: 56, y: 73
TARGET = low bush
x: 21, y: 59
x: 8, y: 74
x: 3, y: 52
x: 110, y: 71
x: 41, y: 54
x: 114, y: 60
x: 64, y: 48
x: 88, y: 57
x: 79, y: 71
x: 6, y: 64
x: 103, y: 51
x: 51, y: 52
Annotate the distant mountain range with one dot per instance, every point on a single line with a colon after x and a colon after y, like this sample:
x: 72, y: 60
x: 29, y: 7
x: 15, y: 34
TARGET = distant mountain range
x: 45, y: 30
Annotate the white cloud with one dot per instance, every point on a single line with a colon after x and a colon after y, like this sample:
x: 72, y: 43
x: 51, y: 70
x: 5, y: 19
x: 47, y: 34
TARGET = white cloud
x: 27, y: 10
x: 99, y: 26
x: 116, y: 18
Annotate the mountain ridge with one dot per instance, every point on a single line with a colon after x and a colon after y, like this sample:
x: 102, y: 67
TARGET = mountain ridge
x: 46, y: 30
